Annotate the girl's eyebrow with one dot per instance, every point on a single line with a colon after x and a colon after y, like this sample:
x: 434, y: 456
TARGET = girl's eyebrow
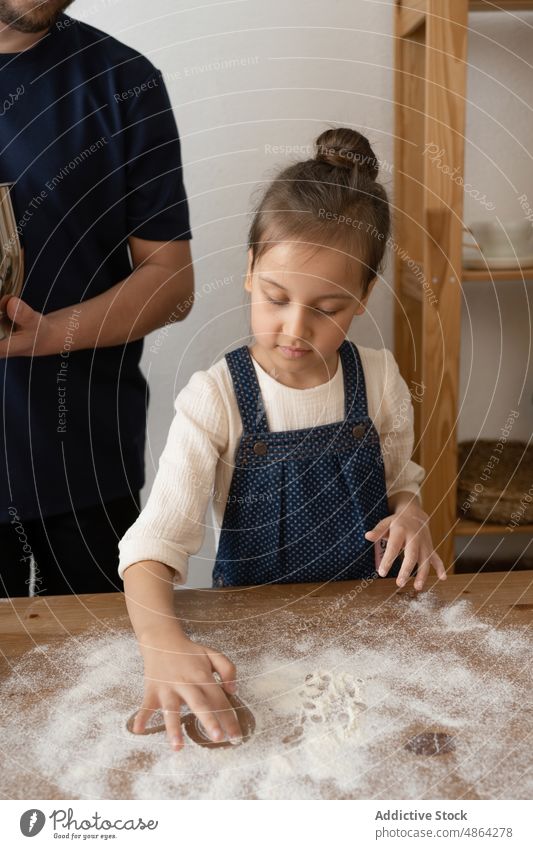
x: 320, y: 297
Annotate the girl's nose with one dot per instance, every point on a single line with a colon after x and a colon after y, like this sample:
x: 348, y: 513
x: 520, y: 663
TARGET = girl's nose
x: 297, y: 324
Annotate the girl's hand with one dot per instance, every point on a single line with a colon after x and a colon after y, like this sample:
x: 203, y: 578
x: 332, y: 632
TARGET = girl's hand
x: 178, y: 671
x: 408, y: 529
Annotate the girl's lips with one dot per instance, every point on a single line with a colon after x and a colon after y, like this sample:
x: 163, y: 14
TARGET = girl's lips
x: 294, y: 353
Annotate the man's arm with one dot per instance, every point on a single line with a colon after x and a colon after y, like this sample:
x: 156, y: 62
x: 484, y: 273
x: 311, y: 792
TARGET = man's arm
x: 159, y: 289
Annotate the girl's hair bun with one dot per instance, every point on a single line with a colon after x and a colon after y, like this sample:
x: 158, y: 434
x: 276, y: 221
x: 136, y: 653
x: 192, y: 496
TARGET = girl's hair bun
x: 331, y: 199
x: 346, y: 148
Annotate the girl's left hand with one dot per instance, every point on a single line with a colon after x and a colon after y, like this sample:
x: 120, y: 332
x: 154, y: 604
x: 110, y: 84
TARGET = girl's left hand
x: 408, y: 529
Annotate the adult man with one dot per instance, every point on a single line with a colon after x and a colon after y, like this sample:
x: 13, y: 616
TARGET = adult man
x: 91, y: 151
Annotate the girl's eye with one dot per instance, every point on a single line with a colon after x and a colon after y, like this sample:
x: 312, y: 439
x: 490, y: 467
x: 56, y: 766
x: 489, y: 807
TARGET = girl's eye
x: 283, y: 303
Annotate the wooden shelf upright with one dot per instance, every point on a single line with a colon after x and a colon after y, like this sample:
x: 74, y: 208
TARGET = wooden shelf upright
x: 431, y: 40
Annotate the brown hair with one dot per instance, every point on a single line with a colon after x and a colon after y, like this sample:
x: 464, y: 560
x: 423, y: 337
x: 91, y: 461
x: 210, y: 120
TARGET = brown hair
x: 331, y: 200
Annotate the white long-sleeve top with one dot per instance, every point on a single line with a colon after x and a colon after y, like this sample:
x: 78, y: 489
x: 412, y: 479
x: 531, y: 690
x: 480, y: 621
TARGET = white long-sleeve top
x: 196, y: 465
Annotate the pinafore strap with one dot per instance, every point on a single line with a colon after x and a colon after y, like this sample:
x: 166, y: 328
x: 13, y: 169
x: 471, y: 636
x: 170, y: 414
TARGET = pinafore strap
x: 250, y: 400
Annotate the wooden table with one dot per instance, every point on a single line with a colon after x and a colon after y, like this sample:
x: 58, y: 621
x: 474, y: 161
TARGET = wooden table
x: 503, y: 598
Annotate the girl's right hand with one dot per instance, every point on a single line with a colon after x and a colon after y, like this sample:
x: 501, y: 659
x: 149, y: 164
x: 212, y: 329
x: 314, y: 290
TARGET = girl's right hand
x: 178, y: 671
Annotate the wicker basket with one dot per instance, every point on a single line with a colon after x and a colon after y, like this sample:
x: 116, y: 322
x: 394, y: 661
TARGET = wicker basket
x: 495, y: 482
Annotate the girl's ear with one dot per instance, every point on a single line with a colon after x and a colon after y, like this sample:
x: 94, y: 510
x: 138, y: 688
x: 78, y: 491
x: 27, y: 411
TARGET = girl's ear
x: 363, y: 301
x: 248, y: 280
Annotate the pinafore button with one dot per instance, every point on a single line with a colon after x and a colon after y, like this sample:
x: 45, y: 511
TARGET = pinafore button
x: 358, y: 431
x: 260, y: 448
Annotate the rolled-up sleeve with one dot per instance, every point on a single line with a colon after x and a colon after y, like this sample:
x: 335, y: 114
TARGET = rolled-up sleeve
x: 397, y: 432
x: 171, y: 526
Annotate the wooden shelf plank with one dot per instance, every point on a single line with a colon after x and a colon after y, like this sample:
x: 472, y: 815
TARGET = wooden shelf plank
x: 412, y: 13
x: 412, y: 286
x: 499, y: 5
x: 497, y: 274
x: 467, y: 528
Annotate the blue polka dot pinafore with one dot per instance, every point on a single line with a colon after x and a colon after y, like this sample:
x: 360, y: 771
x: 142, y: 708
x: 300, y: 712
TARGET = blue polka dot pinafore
x: 300, y: 501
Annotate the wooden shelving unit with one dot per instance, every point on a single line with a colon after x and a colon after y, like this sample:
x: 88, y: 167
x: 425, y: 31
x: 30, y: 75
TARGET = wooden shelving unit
x: 431, y: 40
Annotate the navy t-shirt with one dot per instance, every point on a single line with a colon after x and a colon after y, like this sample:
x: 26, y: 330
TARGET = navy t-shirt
x: 90, y: 144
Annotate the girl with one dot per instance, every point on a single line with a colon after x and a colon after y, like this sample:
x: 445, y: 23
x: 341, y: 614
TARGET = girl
x: 302, y: 440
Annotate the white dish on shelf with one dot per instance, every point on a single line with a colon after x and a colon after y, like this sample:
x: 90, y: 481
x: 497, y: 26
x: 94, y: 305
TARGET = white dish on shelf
x: 482, y: 262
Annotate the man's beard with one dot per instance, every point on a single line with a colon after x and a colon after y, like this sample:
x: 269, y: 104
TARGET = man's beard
x: 31, y: 15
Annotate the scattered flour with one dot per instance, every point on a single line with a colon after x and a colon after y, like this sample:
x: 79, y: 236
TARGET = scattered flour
x: 333, y: 714
x: 456, y: 617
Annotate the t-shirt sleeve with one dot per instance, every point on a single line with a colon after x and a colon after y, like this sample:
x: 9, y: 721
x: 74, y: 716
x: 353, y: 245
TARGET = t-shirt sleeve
x: 397, y: 432
x: 171, y: 525
x: 157, y: 206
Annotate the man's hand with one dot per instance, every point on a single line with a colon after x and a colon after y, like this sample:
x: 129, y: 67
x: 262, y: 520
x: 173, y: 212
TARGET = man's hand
x: 159, y: 289
x: 408, y: 529
x: 31, y: 335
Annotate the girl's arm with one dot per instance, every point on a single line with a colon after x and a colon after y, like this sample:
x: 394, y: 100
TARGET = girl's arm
x: 149, y: 594
x: 154, y: 552
x: 402, y: 499
x: 172, y: 523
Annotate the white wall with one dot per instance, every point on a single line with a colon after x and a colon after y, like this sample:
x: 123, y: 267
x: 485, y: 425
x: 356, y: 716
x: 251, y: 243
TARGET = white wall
x: 246, y: 75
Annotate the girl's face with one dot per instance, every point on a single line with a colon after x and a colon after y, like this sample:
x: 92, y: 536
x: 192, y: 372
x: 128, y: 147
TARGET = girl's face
x: 303, y: 302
